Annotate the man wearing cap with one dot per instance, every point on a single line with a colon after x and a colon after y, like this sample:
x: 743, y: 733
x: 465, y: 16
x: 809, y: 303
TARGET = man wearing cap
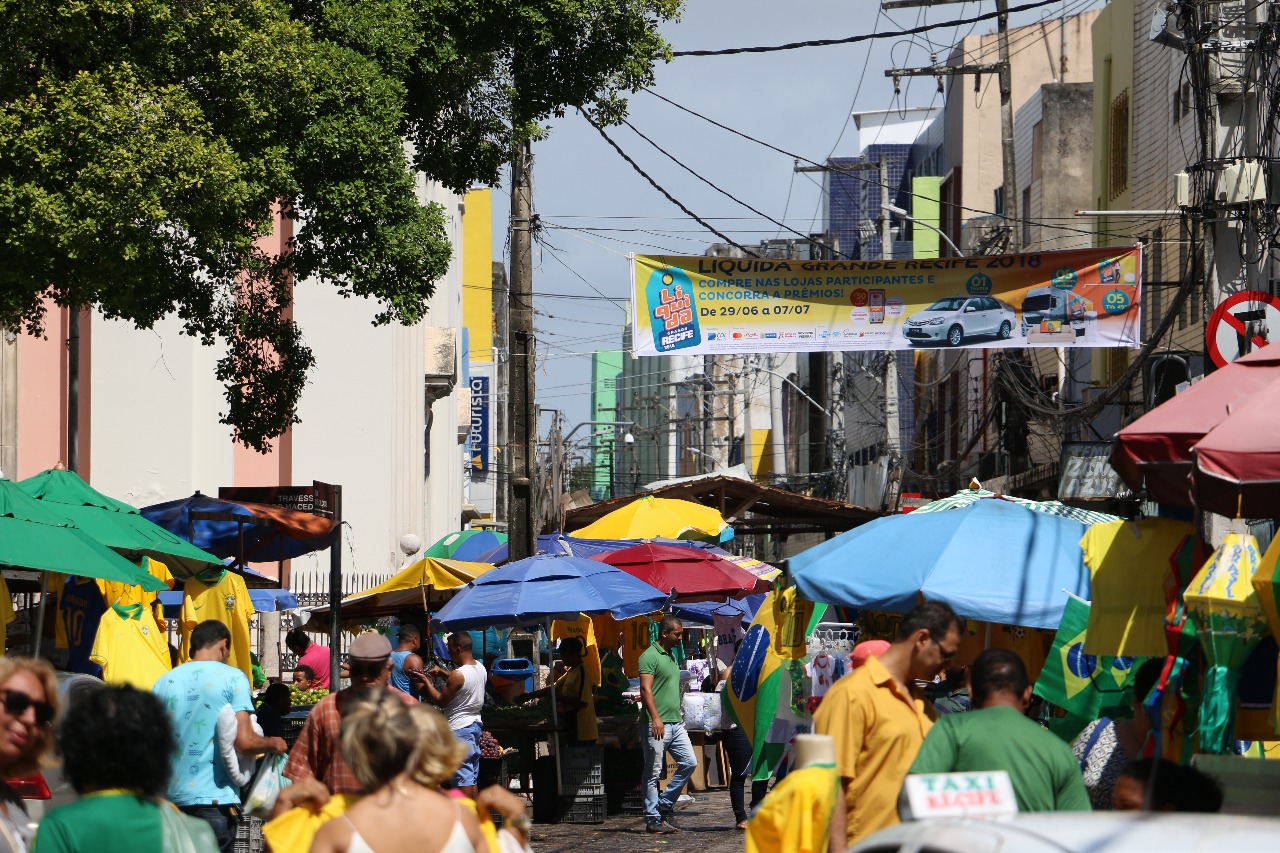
x: 574, y: 696
x: 317, y: 754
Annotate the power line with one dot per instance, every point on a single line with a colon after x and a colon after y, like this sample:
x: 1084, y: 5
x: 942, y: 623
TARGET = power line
x: 730, y: 51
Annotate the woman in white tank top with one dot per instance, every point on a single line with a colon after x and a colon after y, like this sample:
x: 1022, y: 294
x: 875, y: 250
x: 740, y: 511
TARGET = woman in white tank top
x: 400, y: 754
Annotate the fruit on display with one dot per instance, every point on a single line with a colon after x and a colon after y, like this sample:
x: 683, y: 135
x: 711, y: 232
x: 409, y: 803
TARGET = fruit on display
x: 307, y: 697
x: 518, y: 715
x: 489, y: 746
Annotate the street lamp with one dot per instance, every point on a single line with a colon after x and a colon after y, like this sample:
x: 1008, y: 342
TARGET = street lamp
x: 715, y: 463
x: 799, y: 390
x: 897, y: 211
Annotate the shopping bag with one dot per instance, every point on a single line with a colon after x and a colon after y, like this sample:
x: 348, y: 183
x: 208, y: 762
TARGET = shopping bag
x: 260, y: 796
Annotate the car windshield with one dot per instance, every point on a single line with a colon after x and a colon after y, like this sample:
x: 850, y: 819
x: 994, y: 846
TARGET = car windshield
x: 951, y: 303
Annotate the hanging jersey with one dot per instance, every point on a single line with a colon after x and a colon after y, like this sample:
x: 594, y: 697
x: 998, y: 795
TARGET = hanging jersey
x: 635, y: 639
x: 226, y: 600
x: 583, y: 630
x: 130, y: 647
x: 6, y: 612
x: 82, y: 607
x: 117, y: 592
x: 791, y: 614
x: 821, y: 671
x: 729, y: 634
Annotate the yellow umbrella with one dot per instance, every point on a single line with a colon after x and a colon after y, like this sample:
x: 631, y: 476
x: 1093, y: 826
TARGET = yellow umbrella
x: 429, y: 581
x: 650, y: 518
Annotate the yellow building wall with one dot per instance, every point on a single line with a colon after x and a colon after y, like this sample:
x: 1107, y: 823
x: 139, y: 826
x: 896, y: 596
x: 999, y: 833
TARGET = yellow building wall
x: 477, y: 273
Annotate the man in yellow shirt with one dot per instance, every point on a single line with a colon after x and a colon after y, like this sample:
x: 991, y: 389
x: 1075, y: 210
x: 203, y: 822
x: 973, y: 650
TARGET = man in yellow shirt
x: 876, y: 715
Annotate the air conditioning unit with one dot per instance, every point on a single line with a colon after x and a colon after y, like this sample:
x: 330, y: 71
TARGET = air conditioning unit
x: 1243, y: 182
x: 1182, y: 188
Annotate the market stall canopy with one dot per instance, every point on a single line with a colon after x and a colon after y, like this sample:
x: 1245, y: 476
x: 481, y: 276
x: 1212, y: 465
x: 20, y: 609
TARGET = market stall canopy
x: 467, y: 545
x: 703, y: 612
x: 1237, y: 464
x: 33, y: 536
x: 116, y: 524
x: 995, y: 561
x: 966, y: 497
x: 428, y: 580
x: 558, y: 543
x: 649, y: 517
x: 545, y: 587
x: 222, y: 527
x: 692, y: 573
x: 1155, y: 451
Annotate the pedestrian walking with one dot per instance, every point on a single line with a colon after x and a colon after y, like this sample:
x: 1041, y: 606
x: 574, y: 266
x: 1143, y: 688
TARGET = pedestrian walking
x: 460, y: 699
x: 117, y: 750
x: 997, y: 735
x: 739, y: 750
x: 317, y: 753
x: 1105, y: 746
x: 193, y: 694
x: 310, y: 654
x: 28, y: 708
x: 664, y: 722
x: 876, y: 714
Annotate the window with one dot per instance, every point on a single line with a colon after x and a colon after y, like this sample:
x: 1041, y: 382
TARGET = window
x: 1037, y: 147
x: 1118, y: 159
x: 1115, y: 362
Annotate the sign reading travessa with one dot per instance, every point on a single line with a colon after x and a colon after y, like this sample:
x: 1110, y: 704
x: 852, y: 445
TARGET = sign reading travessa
x: 704, y: 305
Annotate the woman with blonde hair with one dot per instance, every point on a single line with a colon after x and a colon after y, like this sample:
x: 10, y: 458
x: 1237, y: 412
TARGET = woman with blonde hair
x: 400, y: 754
x: 28, y: 706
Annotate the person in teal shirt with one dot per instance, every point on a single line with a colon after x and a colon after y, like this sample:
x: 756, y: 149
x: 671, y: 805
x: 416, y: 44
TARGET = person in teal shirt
x: 117, y: 745
x: 997, y: 735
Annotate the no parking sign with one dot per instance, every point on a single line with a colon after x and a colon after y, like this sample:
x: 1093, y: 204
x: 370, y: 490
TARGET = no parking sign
x: 1240, y: 324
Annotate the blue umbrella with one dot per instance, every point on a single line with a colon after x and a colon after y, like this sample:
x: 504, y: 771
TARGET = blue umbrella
x: 545, y: 587
x: 700, y: 612
x: 558, y: 543
x: 223, y: 527
x: 993, y: 560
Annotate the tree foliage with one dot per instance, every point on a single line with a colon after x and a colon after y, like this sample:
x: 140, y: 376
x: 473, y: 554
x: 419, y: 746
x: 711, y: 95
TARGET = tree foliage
x: 145, y: 144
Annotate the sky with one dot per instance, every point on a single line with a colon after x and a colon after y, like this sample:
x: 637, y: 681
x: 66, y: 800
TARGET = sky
x: 596, y: 208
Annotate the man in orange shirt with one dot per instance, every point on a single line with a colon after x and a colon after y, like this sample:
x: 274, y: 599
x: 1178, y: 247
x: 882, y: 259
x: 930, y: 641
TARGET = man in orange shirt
x: 876, y: 715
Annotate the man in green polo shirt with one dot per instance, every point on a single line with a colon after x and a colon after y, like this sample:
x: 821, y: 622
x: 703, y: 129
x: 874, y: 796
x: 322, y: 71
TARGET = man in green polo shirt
x: 998, y: 736
x: 664, y: 726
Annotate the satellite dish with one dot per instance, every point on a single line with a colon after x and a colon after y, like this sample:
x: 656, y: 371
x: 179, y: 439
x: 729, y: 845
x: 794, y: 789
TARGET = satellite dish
x: 410, y: 544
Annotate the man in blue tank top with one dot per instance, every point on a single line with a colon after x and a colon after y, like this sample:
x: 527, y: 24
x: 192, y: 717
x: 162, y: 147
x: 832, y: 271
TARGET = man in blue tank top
x: 405, y: 660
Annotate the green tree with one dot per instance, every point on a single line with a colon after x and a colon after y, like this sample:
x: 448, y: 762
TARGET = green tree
x: 145, y: 144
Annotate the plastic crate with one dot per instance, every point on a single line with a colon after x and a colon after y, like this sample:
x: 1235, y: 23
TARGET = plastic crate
x: 582, y: 809
x: 581, y: 766
x: 249, y: 836
x: 633, y: 802
x: 294, y: 721
x: 494, y: 771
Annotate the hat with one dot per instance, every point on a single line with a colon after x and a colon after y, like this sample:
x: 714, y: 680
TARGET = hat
x: 371, y: 646
x: 867, y: 649
x: 571, y: 644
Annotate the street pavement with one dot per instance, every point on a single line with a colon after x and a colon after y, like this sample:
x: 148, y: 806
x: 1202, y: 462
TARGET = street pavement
x: 707, y: 827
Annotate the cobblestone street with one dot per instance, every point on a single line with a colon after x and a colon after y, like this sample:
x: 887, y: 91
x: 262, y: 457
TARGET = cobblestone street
x: 707, y: 824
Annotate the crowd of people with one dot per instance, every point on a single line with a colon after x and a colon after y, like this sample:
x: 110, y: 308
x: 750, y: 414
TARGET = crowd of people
x: 375, y: 761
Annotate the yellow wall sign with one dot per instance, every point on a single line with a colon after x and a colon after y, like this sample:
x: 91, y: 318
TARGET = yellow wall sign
x: 704, y: 305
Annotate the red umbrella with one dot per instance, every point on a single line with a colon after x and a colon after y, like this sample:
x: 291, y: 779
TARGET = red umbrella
x: 1156, y: 450
x: 694, y: 574
x: 1237, y: 471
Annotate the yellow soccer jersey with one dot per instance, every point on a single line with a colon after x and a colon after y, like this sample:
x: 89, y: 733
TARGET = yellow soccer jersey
x: 130, y: 647
x: 225, y: 599
x: 116, y: 592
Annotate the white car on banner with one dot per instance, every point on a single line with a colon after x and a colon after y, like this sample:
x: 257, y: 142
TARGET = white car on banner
x: 953, y: 319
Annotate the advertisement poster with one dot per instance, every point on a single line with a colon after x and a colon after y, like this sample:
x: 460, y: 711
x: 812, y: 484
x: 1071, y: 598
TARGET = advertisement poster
x: 704, y: 305
x: 478, y: 434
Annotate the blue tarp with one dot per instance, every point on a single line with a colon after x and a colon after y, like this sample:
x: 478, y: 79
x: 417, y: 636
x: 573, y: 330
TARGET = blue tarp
x: 264, y: 601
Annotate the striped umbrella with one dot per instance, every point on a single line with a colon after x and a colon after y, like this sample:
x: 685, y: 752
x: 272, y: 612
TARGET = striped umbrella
x: 965, y: 497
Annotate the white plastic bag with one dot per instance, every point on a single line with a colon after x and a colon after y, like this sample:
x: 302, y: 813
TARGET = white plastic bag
x: 239, y: 767
x: 267, y: 783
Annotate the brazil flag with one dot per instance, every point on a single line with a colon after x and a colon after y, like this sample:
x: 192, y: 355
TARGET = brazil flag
x: 1085, y: 686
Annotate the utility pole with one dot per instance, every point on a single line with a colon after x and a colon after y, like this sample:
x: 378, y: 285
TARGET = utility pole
x: 1002, y: 71
x: 892, y: 434
x: 521, y: 408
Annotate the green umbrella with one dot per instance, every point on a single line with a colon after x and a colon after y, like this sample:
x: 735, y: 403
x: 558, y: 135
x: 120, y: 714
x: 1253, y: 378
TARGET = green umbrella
x: 34, y: 537
x: 114, y: 523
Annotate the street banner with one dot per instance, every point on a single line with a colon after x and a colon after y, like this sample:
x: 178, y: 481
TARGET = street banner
x: 705, y: 305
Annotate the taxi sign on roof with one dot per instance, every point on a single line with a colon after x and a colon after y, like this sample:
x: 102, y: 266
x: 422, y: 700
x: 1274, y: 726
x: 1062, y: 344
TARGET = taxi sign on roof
x: 978, y: 794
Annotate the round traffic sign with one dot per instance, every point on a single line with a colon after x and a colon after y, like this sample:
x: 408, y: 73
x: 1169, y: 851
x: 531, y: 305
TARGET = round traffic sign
x: 1240, y: 324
